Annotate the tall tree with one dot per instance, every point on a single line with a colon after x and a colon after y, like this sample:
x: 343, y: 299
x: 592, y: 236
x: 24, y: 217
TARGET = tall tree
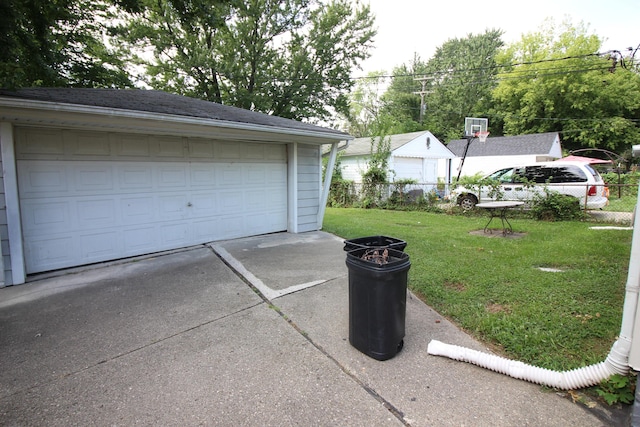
x: 462, y: 75
x: 57, y: 43
x: 365, y: 105
x: 292, y: 58
x: 556, y: 80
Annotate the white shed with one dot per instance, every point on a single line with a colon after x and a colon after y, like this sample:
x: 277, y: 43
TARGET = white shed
x: 417, y: 155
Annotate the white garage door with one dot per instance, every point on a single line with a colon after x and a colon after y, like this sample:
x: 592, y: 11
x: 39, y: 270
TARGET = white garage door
x: 424, y: 171
x: 77, y: 212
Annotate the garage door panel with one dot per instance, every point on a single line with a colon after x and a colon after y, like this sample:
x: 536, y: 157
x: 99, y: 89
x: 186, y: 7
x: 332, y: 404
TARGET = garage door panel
x: 203, y: 204
x: 92, y: 213
x: 172, y: 176
x: 256, y: 200
x: 277, y: 199
x: 229, y: 151
x: 169, y: 146
x: 230, y: 176
x: 133, y: 145
x: 94, y: 179
x: 276, y: 174
x: 140, y: 240
x: 201, y: 149
x: 257, y: 223
x: 203, y: 175
x: 45, y: 216
x: 51, y: 252
x: 98, y: 246
x: 208, y: 229
x: 135, y: 177
x: 137, y: 210
x: 254, y: 174
x: 174, y: 235
x: 172, y: 206
x: 260, y: 223
x: 76, y: 212
x: 230, y: 201
x: 89, y: 143
x: 409, y: 168
x: 38, y: 178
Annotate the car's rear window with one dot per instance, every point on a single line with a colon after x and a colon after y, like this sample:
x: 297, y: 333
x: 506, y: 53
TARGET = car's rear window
x: 594, y: 172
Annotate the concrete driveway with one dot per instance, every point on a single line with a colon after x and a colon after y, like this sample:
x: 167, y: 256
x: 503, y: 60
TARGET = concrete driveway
x: 248, y: 332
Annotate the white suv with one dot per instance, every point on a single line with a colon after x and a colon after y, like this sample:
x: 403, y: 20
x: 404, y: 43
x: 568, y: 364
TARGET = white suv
x: 574, y: 179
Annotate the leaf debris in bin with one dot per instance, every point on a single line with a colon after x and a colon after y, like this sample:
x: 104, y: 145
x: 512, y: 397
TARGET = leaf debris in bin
x: 374, y: 255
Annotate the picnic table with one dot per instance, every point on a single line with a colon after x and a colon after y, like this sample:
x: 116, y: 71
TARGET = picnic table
x: 499, y: 210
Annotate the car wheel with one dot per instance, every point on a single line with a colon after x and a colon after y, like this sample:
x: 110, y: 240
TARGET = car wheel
x: 467, y: 202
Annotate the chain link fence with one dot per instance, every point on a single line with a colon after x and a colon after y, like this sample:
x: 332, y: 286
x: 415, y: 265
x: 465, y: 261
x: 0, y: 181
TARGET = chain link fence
x: 436, y: 197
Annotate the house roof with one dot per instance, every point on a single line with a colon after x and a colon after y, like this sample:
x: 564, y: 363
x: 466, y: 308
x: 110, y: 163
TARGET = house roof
x: 121, y: 101
x: 533, y: 144
x: 362, y: 146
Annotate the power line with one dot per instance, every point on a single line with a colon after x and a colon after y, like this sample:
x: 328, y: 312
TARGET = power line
x: 609, y: 54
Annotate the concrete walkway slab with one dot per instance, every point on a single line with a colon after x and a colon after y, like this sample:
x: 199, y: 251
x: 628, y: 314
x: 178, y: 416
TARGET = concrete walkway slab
x: 247, y: 369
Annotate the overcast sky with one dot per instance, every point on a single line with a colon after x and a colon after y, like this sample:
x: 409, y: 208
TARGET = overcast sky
x: 408, y: 26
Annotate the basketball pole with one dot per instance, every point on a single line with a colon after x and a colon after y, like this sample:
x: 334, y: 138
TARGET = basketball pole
x: 464, y: 155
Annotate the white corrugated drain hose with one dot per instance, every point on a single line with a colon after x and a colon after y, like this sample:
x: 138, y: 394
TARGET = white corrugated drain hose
x: 568, y: 380
x: 617, y: 362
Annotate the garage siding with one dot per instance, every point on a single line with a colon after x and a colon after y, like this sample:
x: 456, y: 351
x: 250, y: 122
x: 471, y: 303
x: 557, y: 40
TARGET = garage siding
x: 112, y: 195
x: 309, y: 183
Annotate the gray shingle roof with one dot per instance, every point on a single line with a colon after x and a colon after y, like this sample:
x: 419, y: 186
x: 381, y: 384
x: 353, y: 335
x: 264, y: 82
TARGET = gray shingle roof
x: 153, y: 101
x: 362, y: 146
x: 539, y: 143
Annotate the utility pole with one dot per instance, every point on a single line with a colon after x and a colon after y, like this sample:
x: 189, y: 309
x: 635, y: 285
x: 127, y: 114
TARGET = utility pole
x: 422, y: 93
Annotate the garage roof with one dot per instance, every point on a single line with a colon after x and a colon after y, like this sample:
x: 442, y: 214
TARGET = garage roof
x: 162, y: 103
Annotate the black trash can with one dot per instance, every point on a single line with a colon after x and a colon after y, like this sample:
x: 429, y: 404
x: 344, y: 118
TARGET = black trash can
x: 374, y: 242
x: 377, y: 300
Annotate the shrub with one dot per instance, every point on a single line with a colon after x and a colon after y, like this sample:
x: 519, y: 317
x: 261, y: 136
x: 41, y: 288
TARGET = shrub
x: 341, y: 193
x: 553, y: 206
x: 399, y: 192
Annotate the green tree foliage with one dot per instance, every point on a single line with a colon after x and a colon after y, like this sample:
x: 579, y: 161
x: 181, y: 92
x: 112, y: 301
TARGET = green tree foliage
x: 556, y: 81
x: 456, y: 83
x: 57, y: 43
x: 290, y: 58
x: 365, y: 105
x: 401, y: 102
x: 462, y: 77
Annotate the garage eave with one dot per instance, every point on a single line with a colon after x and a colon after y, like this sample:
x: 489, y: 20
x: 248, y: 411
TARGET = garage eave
x: 43, y: 113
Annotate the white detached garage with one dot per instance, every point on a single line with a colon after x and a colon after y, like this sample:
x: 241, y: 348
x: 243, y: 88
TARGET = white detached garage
x: 418, y: 155
x: 93, y: 175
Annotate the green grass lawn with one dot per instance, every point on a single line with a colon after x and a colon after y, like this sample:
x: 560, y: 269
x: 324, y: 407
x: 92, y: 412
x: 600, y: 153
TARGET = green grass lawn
x: 493, y: 288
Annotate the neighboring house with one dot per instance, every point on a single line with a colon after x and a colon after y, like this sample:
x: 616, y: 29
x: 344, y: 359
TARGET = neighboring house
x: 418, y: 155
x: 504, y: 151
x: 92, y: 175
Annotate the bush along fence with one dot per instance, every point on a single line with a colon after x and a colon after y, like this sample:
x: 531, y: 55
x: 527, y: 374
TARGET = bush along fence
x: 436, y: 197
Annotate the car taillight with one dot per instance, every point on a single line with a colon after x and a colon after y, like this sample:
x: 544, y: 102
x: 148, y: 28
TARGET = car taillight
x: 592, y: 191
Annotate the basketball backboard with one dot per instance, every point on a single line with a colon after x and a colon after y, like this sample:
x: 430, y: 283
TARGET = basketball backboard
x: 473, y: 125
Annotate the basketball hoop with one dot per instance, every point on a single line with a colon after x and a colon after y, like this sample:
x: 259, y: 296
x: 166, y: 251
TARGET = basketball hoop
x: 482, y: 136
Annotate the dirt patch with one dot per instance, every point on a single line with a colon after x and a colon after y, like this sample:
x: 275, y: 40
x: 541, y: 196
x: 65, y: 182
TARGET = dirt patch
x: 497, y: 308
x: 456, y: 286
x: 495, y: 232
